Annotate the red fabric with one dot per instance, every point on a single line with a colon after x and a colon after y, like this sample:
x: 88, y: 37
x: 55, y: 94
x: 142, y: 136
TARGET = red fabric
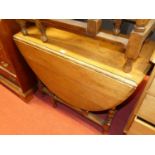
x: 39, y: 117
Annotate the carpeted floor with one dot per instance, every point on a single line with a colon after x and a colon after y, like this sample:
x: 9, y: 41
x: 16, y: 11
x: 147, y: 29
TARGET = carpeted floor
x: 39, y: 117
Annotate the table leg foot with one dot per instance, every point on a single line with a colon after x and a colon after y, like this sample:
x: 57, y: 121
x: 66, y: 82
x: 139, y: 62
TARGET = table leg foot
x: 107, y: 124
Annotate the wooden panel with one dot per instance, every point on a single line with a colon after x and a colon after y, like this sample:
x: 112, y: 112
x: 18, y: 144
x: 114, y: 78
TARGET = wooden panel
x: 140, y: 25
x: 10, y: 58
x: 141, y: 22
x: 80, y: 28
x: 140, y: 101
x: 151, y: 90
x: 82, y: 71
x: 92, y: 51
x: 93, y: 26
x: 9, y: 75
x: 1, y: 50
x: 76, y: 84
x: 15, y: 88
x: 152, y: 59
x: 147, y: 109
x: 139, y: 127
x: 4, y: 60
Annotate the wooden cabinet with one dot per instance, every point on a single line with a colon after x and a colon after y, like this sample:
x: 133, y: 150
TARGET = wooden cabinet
x: 147, y: 109
x: 140, y: 127
x: 142, y: 120
x: 14, y: 72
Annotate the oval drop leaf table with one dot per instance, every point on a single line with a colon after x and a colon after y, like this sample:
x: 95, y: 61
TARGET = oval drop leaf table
x: 86, y: 73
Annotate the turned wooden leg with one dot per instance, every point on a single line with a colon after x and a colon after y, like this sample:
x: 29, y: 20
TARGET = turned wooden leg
x: 107, y: 124
x: 22, y: 24
x: 53, y: 100
x: 128, y: 65
x: 140, y: 25
x: 41, y: 29
x: 117, y: 26
x: 40, y: 85
x: 84, y: 112
x: 41, y: 88
x: 45, y: 91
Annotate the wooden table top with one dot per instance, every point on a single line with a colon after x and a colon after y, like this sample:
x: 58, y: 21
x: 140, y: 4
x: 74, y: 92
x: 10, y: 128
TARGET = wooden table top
x: 103, y: 56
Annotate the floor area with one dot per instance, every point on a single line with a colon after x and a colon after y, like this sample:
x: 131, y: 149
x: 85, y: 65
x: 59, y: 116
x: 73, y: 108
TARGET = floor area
x: 39, y: 117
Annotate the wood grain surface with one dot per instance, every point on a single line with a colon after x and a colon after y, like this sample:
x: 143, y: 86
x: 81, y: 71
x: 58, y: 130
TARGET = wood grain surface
x: 85, y: 72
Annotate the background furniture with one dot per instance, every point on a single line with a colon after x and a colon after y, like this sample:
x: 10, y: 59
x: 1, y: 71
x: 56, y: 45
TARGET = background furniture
x: 142, y: 119
x: 133, y: 43
x: 22, y: 23
x: 14, y: 72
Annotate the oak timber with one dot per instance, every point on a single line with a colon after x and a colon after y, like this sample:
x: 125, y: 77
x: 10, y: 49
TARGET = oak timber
x: 81, y: 28
x: 84, y: 72
x: 93, y: 26
x: 145, y: 107
x: 139, y: 127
